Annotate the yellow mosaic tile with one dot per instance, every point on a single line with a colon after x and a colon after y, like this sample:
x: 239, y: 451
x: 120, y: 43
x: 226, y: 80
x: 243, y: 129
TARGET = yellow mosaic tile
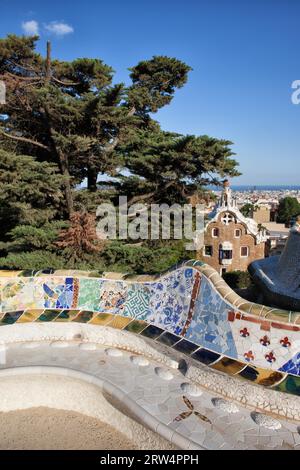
x: 67, y: 315
x: 256, y: 309
x: 261, y: 376
x: 281, y: 315
x: 232, y: 297
x: 120, y: 322
x: 7, y: 273
x: 101, y: 319
x: 244, y: 306
x: 223, y: 290
x: 30, y: 316
x: 229, y: 366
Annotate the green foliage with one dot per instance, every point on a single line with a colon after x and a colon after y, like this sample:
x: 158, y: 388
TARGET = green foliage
x: 142, y: 259
x: 168, y: 167
x: 248, y: 209
x: 32, y: 260
x: 29, y: 237
x: 64, y: 123
x: 238, y: 279
x: 289, y: 207
x: 155, y: 81
x: 30, y: 192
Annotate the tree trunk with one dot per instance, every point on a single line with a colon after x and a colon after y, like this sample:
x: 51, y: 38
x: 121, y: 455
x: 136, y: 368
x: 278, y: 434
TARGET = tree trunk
x: 67, y: 183
x: 92, y: 180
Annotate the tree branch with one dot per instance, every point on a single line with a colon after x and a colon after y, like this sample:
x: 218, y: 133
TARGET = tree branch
x: 17, y: 77
x: 142, y: 197
x: 25, y: 140
x: 110, y: 147
x: 65, y: 83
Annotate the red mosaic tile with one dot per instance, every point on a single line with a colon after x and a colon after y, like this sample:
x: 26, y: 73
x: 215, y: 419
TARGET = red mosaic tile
x: 231, y: 316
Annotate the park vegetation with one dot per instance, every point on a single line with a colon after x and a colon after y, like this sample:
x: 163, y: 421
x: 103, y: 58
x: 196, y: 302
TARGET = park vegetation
x: 65, y: 124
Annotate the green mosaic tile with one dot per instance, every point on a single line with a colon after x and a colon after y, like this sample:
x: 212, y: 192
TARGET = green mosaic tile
x: 30, y: 315
x: 136, y: 326
x: 102, y: 319
x: 67, y: 315
x: 89, y: 294
x: 11, y: 317
x: 291, y: 384
x: 48, y: 315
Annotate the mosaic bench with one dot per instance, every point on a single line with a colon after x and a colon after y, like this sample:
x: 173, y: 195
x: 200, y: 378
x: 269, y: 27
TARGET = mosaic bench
x: 189, y: 309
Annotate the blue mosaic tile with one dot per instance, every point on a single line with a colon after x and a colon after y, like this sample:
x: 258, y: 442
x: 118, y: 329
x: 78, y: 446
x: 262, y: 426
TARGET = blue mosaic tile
x: 58, y: 295
x: 205, y: 356
x: 170, y: 300
x: 152, y: 332
x: 168, y: 339
x: 185, y: 347
x: 209, y: 326
x: 113, y: 295
x: 137, y: 302
x: 292, y: 366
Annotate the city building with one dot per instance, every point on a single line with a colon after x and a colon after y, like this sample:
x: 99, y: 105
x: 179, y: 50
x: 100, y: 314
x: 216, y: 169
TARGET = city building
x: 231, y: 241
x: 262, y: 214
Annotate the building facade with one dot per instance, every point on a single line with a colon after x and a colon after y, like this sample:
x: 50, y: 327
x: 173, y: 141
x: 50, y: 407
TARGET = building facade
x: 262, y: 214
x: 231, y: 241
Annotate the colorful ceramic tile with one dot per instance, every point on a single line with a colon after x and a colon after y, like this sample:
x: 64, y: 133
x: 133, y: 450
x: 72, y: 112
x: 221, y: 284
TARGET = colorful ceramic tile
x: 113, y: 295
x: 260, y: 376
x: 84, y: 316
x: 11, y: 317
x: 30, y: 316
x: 101, y: 319
x: 229, y: 366
x: 67, y: 315
x: 293, y: 365
x: 89, y: 294
x: 58, y: 292
x: 48, y: 315
x: 205, y: 356
x: 120, y: 322
x: 168, y: 339
x: 152, y: 332
x: 137, y: 302
x: 291, y: 384
x: 176, y: 303
x: 195, y: 293
x: 210, y: 327
x: 185, y: 347
x: 21, y: 293
x: 136, y: 326
x: 170, y: 300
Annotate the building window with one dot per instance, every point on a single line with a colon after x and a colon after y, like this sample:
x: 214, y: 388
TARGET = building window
x: 225, y: 254
x: 215, y: 232
x: 227, y: 218
x: 237, y: 233
x: 244, y: 251
x: 208, y: 250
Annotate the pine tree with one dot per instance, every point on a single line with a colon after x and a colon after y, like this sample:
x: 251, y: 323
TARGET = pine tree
x: 80, y: 239
x: 169, y: 167
x: 71, y: 114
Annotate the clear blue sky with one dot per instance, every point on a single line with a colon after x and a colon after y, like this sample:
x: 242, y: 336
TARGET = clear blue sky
x: 244, y: 55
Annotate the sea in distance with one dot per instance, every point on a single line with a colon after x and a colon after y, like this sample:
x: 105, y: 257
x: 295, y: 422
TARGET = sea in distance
x: 252, y: 187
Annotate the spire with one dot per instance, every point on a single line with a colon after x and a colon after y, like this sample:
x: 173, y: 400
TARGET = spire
x: 226, y: 198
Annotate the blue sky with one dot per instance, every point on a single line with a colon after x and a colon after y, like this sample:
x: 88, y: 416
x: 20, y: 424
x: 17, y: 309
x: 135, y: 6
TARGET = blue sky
x: 244, y: 55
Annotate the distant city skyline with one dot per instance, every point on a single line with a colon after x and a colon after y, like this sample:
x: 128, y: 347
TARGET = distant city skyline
x: 243, y: 55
